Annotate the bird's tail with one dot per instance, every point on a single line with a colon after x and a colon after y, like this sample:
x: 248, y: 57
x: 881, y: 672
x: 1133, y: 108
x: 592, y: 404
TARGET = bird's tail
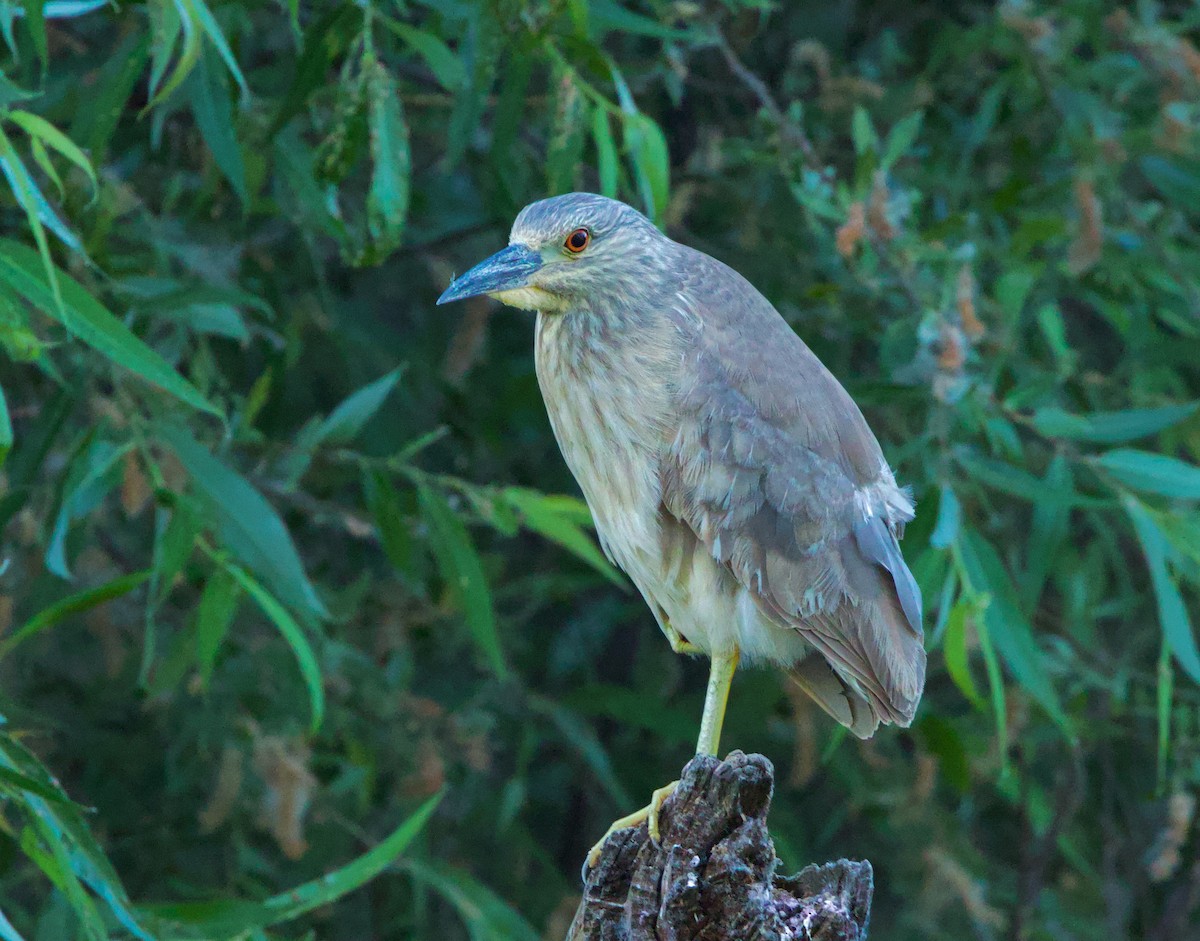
x: 816, y: 677
x: 875, y: 674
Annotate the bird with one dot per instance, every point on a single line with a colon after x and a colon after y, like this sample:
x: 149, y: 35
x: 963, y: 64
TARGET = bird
x: 728, y: 472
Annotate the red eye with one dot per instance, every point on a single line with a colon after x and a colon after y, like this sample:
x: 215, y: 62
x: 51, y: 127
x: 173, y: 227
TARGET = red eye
x: 578, y: 240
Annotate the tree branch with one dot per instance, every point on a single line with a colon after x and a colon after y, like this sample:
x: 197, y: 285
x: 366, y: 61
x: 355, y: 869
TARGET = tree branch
x: 711, y: 876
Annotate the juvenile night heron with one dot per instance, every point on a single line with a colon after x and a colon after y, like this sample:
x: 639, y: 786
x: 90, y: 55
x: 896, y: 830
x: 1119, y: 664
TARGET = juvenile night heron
x: 729, y: 473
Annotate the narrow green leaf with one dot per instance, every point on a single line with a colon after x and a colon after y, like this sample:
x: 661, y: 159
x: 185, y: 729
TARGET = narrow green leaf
x: 7, y: 931
x: 70, y: 9
x: 957, y: 656
x: 443, y: 63
x: 484, y: 914
x: 164, y: 45
x: 91, y: 322
x: 1180, y: 187
x: 348, y: 419
x: 1051, y: 527
x: 579, y: 736
x: 991, y: 664
x: 67, y: 835
x: 326, y: 39
x: 634, y: 709
x: 11, y: 93
x: 393, y: 526
x: 862, y: 131
x: 6, y: 429
x: 14, y: 782
x: 463, y: 572
x: 109, y: 97
x: 72, y: 604
x: 901, y: 138
x: 1172, y: 612
x: 607, y: 164
x: 31, y: 202
x: 246, y: 524
x: 1002, y: 476
x: 1153, y: 473
x: 648, y: 147
x: 387, y: 200
x: 174, y: 544
x: 1006, y: 625
x: 945, y: 531
x: 294, y: 634
x: 35, y: 19
x: 42, y: 158
x: 39, y: 129
x: 32, y: 199
x: 1164, y: 698
x: 66, y: 879
x: 165, y: 25
x: 224, y: 919
x: 199, y: 10
x: 483, y: 45
x: 214, y: 116
x: 1110, y: 427
x: 564, y: 147
x: 541, y: 514
x: 610, y: 16
x: 92, y: 473
x: 218, y: 604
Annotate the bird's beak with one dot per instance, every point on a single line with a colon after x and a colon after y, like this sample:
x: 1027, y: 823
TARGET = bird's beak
x: 507, y: 270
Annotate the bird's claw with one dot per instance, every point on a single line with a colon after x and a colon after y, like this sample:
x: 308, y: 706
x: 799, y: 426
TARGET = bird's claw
x: 647, y: 815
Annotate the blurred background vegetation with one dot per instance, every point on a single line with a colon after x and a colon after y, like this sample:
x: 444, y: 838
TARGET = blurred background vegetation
x: 303, y: 632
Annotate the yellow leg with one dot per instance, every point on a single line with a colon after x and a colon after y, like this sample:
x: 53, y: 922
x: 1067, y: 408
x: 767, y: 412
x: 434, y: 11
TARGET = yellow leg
x: 720, y: 677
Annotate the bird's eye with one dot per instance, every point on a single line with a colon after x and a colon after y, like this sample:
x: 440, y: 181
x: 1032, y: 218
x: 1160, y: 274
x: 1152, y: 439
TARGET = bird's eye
x: 578, y: 240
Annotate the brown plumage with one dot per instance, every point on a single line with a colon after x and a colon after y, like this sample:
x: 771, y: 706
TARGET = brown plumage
x: 729, y: 473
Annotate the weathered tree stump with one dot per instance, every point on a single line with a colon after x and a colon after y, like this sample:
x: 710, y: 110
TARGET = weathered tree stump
x: 712, y: 877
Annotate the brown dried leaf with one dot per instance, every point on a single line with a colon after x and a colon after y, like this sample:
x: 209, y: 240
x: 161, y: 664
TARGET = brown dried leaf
x: 926, y: 779
x: 135, y: 487
x: 877, y: 208
x: 949, y: 875
x: 851, y: 232
x: 430, y: 773
x: 965, y: 297
x: 225, y: 790
x: 804, y: 746
x: 289, y: 786
x: 1166, y: 856
x: 1089, y: 235
x: 1033, y: 29
x: 1190, y: 57
x: 467, y: 344
x: 951, y: 349
x: 811, y: 52
x: 1173, y: 134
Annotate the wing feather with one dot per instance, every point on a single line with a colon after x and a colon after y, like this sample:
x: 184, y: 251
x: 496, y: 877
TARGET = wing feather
x: 777, y: 473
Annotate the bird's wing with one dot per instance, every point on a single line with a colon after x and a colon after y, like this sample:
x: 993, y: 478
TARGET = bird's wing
x: 775, y: 470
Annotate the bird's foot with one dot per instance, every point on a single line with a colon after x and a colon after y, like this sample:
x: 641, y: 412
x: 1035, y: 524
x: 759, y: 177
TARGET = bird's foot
x: 678, y: 642
x: 647, y: 815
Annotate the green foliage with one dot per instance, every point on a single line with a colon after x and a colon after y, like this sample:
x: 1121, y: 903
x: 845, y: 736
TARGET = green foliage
x: 284, y: 550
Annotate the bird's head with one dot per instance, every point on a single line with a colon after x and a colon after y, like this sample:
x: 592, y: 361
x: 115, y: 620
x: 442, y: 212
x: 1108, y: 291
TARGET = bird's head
x: 562, y: 253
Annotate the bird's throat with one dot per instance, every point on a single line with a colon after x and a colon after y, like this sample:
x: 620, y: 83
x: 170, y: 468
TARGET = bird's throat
x: 531, y: 298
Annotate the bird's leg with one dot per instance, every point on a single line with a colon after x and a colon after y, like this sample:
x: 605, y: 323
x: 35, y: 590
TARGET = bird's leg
x: 720, y: 677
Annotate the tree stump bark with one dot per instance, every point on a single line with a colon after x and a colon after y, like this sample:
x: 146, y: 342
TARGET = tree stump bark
x: 712, y: 877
